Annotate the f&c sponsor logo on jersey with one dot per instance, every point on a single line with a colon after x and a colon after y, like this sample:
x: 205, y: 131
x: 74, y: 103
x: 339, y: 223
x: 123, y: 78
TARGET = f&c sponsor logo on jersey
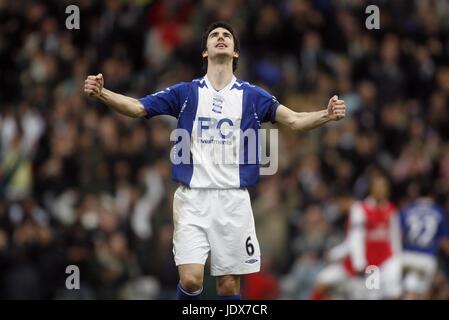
x: 216, y: 128
x: 231, y: 144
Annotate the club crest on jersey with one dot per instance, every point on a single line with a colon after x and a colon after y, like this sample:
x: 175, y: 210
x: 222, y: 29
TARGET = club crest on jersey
x: 217, y: 104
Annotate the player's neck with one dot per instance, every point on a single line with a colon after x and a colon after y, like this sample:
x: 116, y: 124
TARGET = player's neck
x: 219, y: 75
x: 377, y: 201
x: 425, y: 199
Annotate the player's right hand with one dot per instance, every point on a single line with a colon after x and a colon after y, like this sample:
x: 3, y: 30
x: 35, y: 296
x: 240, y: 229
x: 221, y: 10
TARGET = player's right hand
x: 93, y: 85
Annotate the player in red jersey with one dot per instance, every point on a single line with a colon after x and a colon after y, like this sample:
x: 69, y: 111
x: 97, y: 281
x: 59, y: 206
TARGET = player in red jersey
x: 373, y: 241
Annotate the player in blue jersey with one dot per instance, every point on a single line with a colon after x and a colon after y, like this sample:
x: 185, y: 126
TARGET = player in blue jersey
x: 425, y: 230
x: 211, y: 208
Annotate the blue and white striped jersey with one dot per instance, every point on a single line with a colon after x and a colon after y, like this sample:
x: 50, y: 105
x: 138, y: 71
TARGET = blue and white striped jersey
x: 222, y: 130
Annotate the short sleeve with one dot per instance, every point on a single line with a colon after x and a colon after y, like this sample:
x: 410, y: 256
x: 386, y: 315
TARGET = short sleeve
x: 165, y: 102
x: 266, y: 106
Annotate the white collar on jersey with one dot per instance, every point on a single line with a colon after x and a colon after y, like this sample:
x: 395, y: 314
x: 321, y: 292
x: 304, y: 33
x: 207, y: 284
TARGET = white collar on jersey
x: 229, y: 86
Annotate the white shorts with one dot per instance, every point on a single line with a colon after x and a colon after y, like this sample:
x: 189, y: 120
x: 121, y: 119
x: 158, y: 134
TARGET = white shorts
x: 390, y: 278
x: 419, y: 270
x: 219, y: 221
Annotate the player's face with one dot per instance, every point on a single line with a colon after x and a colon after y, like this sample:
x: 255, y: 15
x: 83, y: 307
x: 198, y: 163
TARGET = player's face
x: 380, y: 189
x: 220, y: 42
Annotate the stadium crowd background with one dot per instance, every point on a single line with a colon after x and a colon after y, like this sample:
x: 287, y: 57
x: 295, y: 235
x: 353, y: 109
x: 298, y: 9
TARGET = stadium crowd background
x: 82, y: 185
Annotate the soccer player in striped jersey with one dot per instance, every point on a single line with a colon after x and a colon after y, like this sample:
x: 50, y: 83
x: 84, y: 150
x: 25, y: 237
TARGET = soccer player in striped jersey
x: 211, y: 208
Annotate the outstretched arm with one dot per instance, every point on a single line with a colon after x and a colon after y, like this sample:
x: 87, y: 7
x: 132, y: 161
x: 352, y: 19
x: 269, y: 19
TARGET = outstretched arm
x: 356, y: 238
x: 304, y: 121
x: 131, y: 107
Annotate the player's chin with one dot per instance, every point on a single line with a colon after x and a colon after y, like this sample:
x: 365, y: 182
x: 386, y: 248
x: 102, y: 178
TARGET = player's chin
x: 225, y: 52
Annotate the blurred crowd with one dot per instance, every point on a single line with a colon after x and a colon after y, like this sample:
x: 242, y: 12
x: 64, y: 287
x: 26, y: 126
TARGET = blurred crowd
x: 81, y: 185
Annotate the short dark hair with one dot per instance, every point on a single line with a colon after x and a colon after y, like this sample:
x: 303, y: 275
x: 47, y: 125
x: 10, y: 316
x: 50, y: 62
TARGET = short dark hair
x: 224, y: 25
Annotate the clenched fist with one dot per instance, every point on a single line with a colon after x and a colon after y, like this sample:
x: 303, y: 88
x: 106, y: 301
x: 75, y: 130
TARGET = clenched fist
x: 93, y: 85
x: 336, y: 109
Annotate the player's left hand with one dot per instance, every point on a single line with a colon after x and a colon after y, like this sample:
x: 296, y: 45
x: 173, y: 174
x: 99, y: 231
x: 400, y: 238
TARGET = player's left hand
x: 336, y: 109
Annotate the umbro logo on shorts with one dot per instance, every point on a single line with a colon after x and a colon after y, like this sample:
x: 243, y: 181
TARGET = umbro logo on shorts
x: 251, y: 261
